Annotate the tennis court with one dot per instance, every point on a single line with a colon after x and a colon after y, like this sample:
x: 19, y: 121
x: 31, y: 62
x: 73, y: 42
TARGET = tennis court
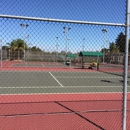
x: 61, y: 99
x: 14, y: 82
x: 65, y: 65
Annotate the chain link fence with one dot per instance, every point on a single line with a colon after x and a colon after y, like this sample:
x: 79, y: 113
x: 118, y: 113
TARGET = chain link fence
x: 59, y: 70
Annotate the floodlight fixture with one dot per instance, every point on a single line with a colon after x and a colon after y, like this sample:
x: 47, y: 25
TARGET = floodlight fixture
x: 104, y: 30
x: 69, y: 28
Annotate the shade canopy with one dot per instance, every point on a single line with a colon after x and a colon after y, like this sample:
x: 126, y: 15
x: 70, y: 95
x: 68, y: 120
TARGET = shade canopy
x: 71, y: 55
x: 91, y: 54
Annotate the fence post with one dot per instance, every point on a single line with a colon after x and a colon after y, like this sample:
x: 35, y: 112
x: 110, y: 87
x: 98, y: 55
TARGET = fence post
x: 126, y: 66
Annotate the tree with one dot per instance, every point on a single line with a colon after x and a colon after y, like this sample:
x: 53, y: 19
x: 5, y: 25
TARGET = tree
x: 5, y: 47
x: 63, y: 52
x: 18, y: 45
x: 113, y: 47
x: 104, y: 50
x: 34, y: 48
x: 120, y: 42
x: 129, y: 45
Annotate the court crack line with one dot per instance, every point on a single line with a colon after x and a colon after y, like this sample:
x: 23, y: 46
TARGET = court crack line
x: 80, y: 116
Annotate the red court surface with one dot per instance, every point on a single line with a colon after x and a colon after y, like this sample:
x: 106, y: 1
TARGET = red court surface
x: 52, y: 66
x: 74, y: 111
x: 90, y: 111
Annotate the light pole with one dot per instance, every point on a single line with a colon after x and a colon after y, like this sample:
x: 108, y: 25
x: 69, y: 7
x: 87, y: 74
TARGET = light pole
x: 29, y: 50
x: 104, y: 31
x: 9, y: 54
x: 27, y: 36
x: 57, y: 48
x: 1, y: 52
x: 66, y: 34
x: 24, y: 26
x: 83, y: 43
x: 68, y: 44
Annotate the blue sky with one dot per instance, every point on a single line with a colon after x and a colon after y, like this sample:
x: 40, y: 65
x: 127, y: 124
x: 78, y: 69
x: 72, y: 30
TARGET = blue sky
x: 43, y: 34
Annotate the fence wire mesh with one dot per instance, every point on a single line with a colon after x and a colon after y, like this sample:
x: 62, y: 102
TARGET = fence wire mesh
x: 63, y: 74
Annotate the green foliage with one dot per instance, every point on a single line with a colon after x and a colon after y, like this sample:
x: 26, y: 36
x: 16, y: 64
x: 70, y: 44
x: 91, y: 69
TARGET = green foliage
x: 17, y: 45
x: 63, y: 52
x: 120, y: 42
x: 104, y: 50
x: 119, y: 45
x: 113, y: 47
x: 129, y: 45
x: 34, y: 48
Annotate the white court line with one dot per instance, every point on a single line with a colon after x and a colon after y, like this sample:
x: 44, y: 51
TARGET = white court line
x: 43, y: 65
x: 56, y: 79
x: 36, y: 87
x: 87, y: 77
x: 63, y: 86
x: 69, y: 93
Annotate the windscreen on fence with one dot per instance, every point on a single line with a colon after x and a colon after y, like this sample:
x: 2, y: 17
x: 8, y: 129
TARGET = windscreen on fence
x: 59, y: 68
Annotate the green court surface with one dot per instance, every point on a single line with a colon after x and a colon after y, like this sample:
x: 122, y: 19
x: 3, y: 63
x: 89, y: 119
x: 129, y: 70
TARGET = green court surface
x: 39, y: 64
x: 21, y: 82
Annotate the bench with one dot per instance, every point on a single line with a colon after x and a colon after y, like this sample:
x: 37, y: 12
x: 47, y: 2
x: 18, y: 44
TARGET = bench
x: 90, y: 66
